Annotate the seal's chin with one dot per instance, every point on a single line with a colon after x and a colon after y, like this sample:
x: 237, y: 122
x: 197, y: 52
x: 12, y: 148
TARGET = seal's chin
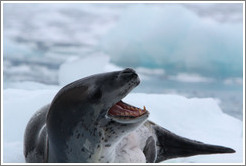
x: 126, y: 113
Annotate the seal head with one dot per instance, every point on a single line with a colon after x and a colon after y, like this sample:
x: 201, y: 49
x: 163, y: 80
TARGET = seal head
x: 82, y: 112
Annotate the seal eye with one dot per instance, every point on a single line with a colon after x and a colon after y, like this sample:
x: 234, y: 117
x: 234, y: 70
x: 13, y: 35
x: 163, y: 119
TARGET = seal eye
x: 97, y: 95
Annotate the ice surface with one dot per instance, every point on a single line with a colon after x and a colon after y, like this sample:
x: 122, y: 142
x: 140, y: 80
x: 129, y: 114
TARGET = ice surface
x: 195, y: 118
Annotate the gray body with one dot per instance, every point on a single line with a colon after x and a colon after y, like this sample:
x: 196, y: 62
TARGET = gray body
x: 75, y: 127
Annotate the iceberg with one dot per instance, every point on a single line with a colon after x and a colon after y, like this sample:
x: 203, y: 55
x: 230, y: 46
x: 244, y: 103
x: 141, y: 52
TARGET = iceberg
x: 177, y: 40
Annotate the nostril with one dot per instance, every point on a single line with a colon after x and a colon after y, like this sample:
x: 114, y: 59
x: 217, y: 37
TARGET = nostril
x: 129, y: 70
x: 128, y: 73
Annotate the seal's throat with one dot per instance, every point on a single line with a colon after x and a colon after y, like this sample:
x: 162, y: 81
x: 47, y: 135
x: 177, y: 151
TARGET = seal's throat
x: 126, y: 111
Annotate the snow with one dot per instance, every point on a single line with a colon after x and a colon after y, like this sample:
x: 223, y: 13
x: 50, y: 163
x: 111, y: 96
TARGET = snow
x: 76, y: 68
x: 195, y: 118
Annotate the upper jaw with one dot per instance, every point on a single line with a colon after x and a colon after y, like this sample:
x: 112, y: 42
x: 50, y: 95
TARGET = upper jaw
x: 129, y: 75
x: 122, y: 112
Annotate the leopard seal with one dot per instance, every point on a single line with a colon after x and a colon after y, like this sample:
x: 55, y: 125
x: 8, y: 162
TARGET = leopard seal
x: 88, y: 122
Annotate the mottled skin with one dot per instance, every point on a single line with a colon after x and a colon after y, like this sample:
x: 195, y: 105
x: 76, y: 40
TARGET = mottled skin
x: 75, y: 127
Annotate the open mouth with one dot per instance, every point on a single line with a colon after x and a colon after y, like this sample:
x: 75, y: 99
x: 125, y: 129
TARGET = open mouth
x: 123, y: 110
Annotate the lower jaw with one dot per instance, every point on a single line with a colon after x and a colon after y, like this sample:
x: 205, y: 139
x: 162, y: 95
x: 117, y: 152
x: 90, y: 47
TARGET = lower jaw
x: 125, y: 113
x: 127, y: 120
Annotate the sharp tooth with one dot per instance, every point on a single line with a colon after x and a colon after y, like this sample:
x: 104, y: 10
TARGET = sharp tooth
x: 139, y: 110
x: 144, y: 108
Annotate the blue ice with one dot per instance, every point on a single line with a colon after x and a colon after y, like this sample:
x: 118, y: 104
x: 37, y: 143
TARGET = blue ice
x: 177, y: 40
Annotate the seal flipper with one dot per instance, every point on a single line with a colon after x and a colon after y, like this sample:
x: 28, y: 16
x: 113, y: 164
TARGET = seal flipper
x: 42, y: 148
x: 173, y: 146
x: 150, y: 150
x: 36, y: 138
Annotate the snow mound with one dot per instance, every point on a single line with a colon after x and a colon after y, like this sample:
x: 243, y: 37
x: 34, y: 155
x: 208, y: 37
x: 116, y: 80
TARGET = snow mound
x: 195, y: 118
x: 77, y: 68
